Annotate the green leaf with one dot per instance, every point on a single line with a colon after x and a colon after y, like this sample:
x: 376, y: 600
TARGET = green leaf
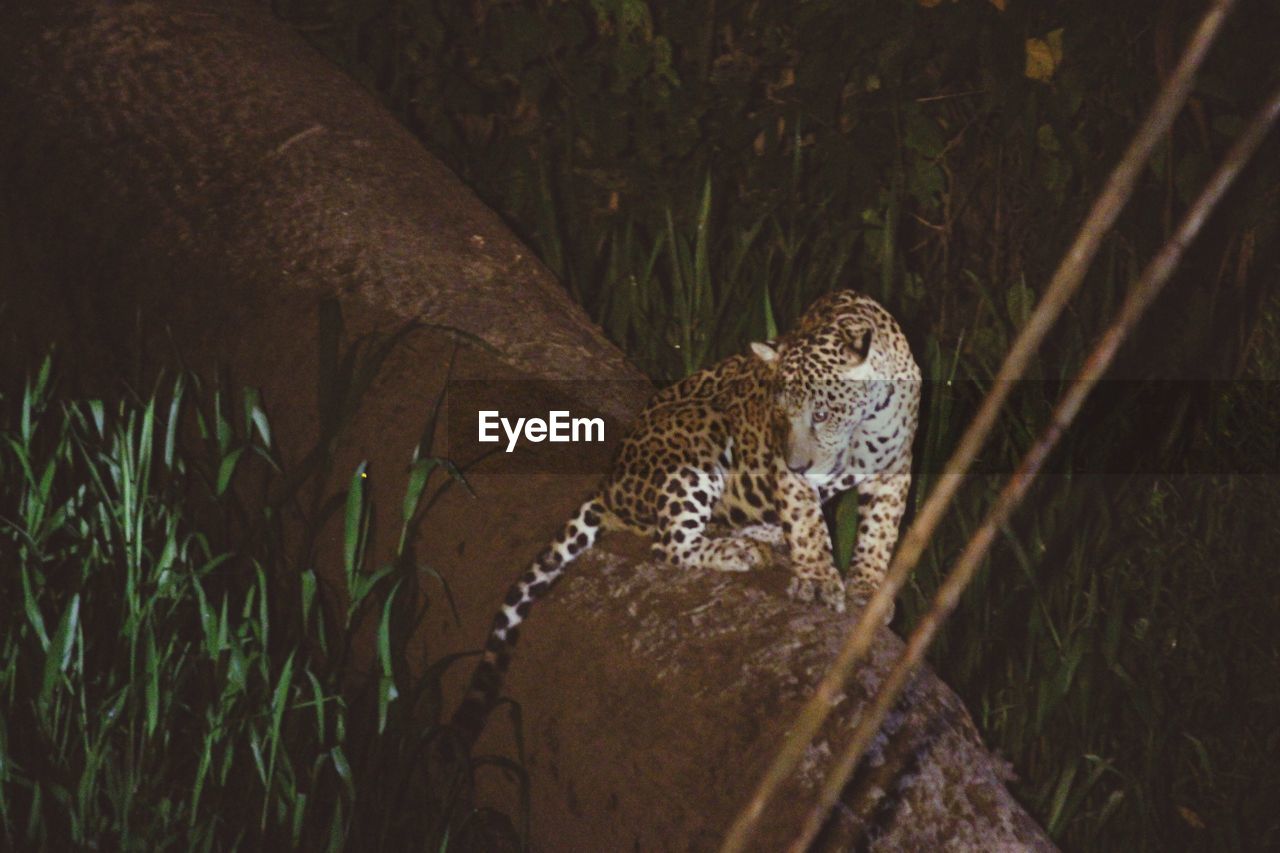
x: 226, y: 469
x: 257, y: 416
x: 59, y: 654
x: 926, y: 182
x: 419, y: 473
x: 318, y: 700
x: 846, y: 528
x: 343, y: 770
x: 146, y: 441
x: 770, y: 323
x: 307, y: 589
x: 923, y: 135
x: 152, y: 687
x: 1019, y: 301
x: 264, y: 612
x: 171, y: 425
x: 387, y: 692
x: 354, y: 524
x: 221, y: 426
x: 1059, y: 800
x: 202, y: 773
x: 32, y: 398
x: 237, y: 678
x: 99, y: 415
x: 337, y: 828
x: 365, y: 583
x: 279, y: 701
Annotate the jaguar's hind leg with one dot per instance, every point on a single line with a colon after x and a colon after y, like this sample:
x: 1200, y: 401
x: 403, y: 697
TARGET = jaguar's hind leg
x: 683, y: 513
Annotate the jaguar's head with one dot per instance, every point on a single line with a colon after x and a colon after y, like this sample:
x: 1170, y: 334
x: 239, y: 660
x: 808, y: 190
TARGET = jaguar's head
x: 821, y: 383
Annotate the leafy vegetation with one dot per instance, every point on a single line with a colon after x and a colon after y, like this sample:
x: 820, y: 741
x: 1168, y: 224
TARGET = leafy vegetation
x: 172, y: 676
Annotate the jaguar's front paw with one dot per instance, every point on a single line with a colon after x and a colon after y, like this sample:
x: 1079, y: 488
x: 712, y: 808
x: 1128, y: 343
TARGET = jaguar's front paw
x: 826, y: 586
x: 858, y: 592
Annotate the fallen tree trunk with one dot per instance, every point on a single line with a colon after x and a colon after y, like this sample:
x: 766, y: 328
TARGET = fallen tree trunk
x: 188, y: 183
x: 668, y: 724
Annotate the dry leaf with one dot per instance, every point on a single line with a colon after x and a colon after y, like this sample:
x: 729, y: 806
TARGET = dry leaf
x: 1193, y: 820
x: 1044, y: 56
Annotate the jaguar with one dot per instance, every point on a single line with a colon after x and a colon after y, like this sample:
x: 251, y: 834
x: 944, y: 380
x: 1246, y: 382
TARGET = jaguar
x: 752, y: 447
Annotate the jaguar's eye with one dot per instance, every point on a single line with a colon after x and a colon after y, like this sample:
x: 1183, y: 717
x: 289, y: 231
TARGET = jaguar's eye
x: 821, y: 415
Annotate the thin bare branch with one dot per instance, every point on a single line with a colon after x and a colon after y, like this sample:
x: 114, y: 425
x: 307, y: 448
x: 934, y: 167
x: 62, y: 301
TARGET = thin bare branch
x: 1065, y: 282
x: 944, y: 601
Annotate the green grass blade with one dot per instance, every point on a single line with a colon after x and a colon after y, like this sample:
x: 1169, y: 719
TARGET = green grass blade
x: 353, y: 525
x: 227, y: 468
x: 59, y: 654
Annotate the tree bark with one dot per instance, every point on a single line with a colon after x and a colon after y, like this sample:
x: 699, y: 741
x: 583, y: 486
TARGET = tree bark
x: 187, y: 183
x: 669, y: 723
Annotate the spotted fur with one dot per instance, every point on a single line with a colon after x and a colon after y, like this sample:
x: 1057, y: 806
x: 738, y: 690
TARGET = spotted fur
x: 755, y: 444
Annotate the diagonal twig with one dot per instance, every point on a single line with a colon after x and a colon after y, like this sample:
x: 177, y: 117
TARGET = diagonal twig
x: 944, y: 601
x: 1064, y: 283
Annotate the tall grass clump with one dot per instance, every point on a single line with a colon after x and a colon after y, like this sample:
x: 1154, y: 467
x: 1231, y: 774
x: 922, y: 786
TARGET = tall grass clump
x: 166, y: 685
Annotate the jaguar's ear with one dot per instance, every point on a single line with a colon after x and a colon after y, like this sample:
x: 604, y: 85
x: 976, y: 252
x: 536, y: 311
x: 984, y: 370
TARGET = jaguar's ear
x: 764, y: 352
x: 858, y: 340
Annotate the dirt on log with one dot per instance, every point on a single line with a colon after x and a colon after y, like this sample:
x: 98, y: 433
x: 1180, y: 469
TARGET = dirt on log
x: 187, y: 184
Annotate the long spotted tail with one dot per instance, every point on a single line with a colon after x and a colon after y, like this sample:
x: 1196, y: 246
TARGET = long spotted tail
x: 578, y: 534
